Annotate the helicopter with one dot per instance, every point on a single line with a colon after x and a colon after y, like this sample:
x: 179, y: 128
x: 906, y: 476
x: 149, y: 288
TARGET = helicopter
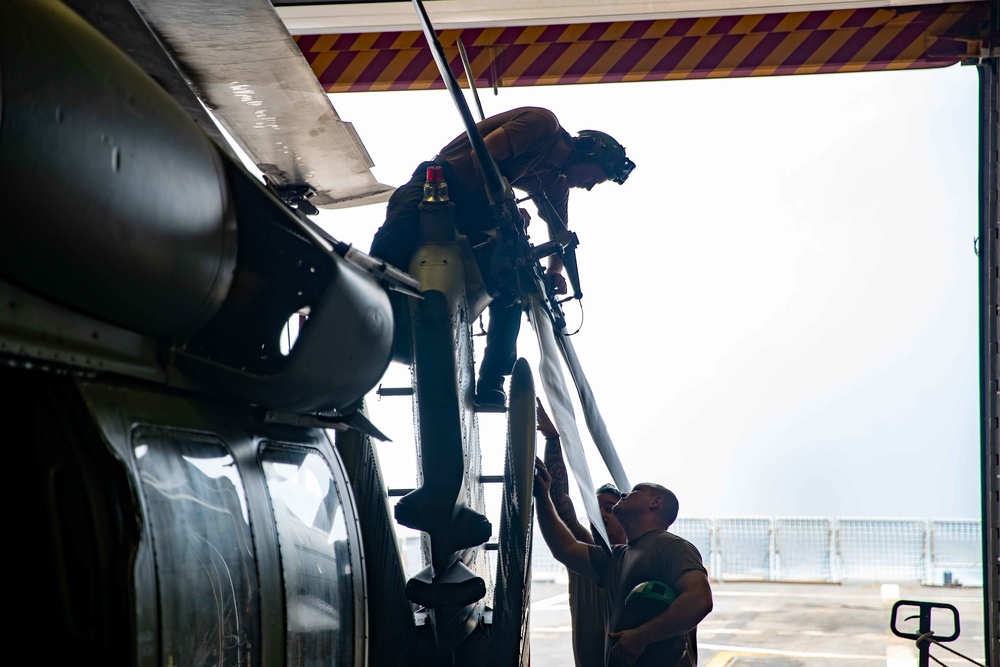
x: 186, y: 479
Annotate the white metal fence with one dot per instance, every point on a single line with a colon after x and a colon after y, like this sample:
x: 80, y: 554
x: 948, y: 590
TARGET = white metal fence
x: 822, y: 549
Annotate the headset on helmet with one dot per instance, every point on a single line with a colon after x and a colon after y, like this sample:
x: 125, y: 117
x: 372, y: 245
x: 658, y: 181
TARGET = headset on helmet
x: 605, y: 151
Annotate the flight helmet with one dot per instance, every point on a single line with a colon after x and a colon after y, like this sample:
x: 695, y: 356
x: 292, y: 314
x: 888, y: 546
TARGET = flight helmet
x: 602, y: 149
x: 644, y: 603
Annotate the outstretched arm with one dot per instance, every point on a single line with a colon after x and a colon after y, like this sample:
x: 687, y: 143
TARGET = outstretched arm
x: 559, y: 490
x: 520, y: 134
x: 564, y: 547
x: 557, y: 230
x: 692, y: 604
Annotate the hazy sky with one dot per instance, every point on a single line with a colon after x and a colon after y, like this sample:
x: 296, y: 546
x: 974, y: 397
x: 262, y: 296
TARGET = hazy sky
x: 780, y: 305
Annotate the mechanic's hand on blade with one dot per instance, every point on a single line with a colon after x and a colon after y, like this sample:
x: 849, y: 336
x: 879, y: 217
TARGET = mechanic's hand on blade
x: 545, y: 425
x: 543, y: 480
x: 556, y: 282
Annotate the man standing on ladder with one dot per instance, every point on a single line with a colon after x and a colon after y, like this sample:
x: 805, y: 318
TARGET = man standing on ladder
x: 537, y: 156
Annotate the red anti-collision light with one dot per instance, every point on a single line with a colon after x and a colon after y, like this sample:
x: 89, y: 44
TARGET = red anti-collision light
x: 435, y: 174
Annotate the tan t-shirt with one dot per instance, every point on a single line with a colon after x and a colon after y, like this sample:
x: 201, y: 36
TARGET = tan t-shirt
x: 533, y: 134
x: 586, y: 609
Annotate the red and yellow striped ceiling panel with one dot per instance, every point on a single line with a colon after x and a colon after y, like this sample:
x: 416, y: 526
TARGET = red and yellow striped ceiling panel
x: 728, y: 46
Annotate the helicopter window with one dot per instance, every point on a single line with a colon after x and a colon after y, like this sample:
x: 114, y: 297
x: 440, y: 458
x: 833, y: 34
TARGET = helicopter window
x: 205, y: 566
x: 290, y: 332
x: 315, y: 556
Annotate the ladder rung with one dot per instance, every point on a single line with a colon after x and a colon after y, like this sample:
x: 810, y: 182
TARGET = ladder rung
x: 394, y: 391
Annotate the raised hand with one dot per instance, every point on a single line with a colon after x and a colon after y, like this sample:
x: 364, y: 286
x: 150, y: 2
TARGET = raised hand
x: 557, y: 282
x: 542, y: 480
x: 545, y: 425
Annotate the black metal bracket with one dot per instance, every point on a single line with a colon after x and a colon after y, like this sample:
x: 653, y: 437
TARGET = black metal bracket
x: 298, y: 196
x: 341, y: 422
x: 925, y: 632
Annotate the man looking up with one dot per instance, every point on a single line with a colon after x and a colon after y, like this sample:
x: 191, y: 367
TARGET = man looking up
x: 537, y: 156
x: 586, y: 600
x: 651, y: 554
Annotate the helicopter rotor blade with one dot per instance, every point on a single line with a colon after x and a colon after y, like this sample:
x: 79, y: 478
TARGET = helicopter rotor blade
x: 472, y: 79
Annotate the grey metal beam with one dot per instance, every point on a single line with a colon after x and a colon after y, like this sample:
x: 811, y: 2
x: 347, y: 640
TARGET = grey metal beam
x: 989, y: 284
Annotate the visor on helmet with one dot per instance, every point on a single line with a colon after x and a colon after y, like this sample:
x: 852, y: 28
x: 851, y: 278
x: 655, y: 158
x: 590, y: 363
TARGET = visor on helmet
x: 602, y: 149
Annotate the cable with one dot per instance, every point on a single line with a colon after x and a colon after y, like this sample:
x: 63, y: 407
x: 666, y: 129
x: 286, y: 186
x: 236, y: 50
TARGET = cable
x: 929, y: 638
x: 581, y: 321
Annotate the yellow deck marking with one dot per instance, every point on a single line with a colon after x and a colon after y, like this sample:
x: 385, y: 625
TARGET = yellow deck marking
x: 722, y: 659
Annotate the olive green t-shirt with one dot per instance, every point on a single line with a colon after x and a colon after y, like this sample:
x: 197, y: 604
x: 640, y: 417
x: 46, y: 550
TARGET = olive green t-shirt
x: 655, y: 556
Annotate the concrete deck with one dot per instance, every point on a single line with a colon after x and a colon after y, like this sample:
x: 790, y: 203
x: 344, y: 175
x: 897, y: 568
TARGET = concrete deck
x: 786, y: 625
